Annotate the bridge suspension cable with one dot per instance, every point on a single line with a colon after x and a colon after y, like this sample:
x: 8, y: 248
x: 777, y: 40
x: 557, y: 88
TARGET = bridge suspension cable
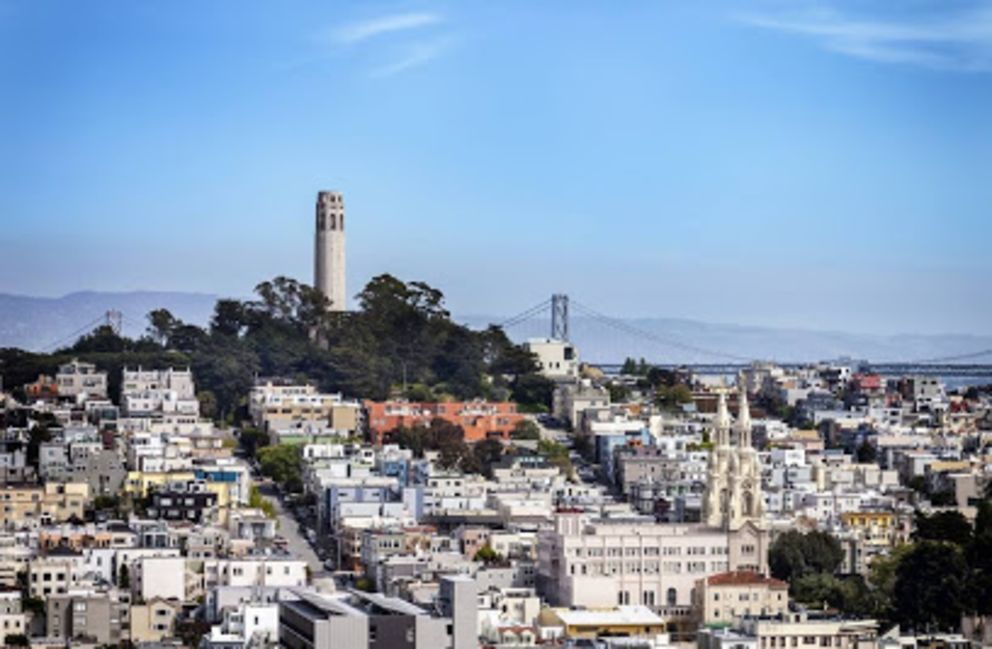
x: 630, y: 329
x: 70, y: 338
x: 523, y: 316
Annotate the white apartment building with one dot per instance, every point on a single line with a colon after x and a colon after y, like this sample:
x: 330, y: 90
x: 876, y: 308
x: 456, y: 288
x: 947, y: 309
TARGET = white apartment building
x: 254, y: 571
x: 160, y: 576
x: 173, y: 380
x: 78, y: 379
x: 556, y: 359
x: 146, y: 393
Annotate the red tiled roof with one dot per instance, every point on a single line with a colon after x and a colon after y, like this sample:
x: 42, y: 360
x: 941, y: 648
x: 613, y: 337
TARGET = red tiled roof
x: 744, y: 578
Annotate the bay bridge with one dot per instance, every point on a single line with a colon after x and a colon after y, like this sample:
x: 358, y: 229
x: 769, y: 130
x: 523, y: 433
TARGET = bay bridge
x: 559, y: 306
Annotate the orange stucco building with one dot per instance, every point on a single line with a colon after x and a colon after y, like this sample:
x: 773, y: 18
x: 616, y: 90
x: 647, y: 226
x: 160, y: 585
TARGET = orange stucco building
x: 479, y: 419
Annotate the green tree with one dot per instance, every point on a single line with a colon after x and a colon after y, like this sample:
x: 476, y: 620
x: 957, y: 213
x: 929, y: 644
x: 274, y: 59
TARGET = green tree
x: 949, y: 526
x: 252, y: 439
x: 794, y: 555
x: 526, y: 429
x: 487, y: 555
x: 930, y: 588
x: 619, y: 393
x: 161, y: 324
x: 284, y: 464
x: 485, y: 453
x: 557, y: 454
x: 257, y: 501
x: 849, y: 595
x: 533, y: 392
x: 672, y: 397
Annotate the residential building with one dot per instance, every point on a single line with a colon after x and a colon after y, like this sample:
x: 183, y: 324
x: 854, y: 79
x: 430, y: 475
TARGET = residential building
x: 728, y: 597
x: 478, y: 419
x: 77, y: 379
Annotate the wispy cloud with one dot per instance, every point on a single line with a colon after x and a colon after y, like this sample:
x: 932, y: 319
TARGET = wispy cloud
x: 391, y: 43
x: 418, y: 54
x: 366, y: 29
x: 952, y: 38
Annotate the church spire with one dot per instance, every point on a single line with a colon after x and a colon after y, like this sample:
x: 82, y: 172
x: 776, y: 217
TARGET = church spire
x: 721, y: 423
x: 743, y: 415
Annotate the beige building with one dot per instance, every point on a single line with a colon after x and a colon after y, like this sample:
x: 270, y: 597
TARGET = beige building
x: 282, y: 407
x: 53, y: 574
x: 727, y: 597
x: 13, y: 619
x: 76, y: 379
x: 601, y: 563
x: 154, y: 620
x: 797, y: 630
x: 32, y: 506
x: 557, y: 359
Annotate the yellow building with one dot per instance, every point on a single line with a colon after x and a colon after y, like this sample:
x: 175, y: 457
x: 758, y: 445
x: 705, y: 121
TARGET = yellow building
x: 139, y: 483
x: 873, y: 528
x: 726, y: 597
x: 628, y: 621
x: 154, y: 620
x: 32, y: 506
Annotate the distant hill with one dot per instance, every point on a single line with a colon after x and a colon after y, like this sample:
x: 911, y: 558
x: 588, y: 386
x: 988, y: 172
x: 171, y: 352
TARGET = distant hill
x: 599, y: 342
x: 36, y: 323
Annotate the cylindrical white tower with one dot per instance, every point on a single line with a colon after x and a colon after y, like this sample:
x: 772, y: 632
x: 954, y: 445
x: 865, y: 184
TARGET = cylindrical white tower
x: 329, y: 259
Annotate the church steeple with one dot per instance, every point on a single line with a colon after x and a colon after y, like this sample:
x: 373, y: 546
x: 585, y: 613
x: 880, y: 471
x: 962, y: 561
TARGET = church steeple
x: 721, y: 423
x: 743, y: 416
x: 733, y: 481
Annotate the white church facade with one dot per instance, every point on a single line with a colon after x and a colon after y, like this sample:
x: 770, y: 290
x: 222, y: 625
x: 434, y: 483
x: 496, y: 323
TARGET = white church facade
x: 587, y: 561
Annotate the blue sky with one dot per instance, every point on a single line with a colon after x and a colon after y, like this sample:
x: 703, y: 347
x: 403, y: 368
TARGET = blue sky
x: 823, y: 165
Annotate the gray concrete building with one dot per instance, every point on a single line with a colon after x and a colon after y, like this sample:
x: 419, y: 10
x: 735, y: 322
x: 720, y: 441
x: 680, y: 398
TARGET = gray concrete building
x: 358, y: 620
x: 90, y: 616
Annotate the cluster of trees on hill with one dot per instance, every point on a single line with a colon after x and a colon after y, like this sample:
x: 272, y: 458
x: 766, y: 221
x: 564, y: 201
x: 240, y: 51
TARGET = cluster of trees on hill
x: 669, y: 386
x: 401, y: 335
x: 926, y: 585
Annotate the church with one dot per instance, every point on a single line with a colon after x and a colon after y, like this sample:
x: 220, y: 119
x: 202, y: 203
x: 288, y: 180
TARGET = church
x: 590, y: 561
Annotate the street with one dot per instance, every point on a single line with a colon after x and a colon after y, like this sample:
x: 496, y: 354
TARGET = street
x: 296, y: 544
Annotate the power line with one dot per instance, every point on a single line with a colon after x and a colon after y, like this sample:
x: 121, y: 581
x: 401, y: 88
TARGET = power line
x: 636, y: 331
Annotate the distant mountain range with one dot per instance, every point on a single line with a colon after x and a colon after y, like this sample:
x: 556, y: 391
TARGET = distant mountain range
x: 41, y: 324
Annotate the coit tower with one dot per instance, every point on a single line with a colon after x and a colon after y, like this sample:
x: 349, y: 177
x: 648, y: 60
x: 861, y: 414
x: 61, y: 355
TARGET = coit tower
x: 328, y: 258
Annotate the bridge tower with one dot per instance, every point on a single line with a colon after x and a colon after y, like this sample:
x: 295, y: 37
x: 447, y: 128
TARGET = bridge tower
x: 559, y: 317
x: 113, y: 319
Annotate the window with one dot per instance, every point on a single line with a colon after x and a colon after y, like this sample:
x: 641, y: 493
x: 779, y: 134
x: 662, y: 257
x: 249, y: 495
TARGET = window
x: 671, y: 596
